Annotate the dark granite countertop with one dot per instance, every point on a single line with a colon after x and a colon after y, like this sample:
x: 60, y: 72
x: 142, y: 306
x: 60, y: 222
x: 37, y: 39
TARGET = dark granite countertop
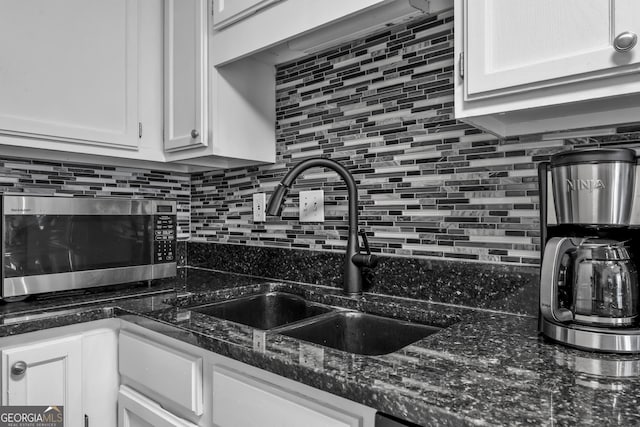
x: 485, y: 368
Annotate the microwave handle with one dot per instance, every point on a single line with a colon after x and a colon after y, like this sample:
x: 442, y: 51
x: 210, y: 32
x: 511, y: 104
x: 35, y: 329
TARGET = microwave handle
x: 556, y: 247
x: 70, y: 244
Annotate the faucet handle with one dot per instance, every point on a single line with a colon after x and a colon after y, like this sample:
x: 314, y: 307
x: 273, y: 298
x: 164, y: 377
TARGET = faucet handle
x: 366, y: 259
x: 365, y: 241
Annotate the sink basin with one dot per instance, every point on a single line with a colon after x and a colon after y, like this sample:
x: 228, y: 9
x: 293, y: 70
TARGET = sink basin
x: 264, y: 311
x: 359, y: 333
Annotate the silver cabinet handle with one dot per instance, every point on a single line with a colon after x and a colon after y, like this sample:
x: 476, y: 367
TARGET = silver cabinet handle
x: 195, y: 134
x: 19, y: 368
x: 626, y: 41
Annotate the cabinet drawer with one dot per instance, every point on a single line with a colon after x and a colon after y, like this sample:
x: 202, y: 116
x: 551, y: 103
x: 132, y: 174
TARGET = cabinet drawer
x: 240, y: 400
x: 135, y: 410
x: 167, y: 372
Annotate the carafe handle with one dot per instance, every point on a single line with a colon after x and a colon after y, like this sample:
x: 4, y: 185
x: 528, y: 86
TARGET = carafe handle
x: 553, y: 252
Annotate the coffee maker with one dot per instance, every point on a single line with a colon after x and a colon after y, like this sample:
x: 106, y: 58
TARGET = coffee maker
x: 590, y: 241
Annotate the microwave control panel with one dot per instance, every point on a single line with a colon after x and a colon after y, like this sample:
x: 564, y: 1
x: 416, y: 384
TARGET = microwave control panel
x: 164, y: 247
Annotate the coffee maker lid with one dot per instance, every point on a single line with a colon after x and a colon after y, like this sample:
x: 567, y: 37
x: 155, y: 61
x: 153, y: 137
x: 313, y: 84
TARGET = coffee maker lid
x: 596, y: 155
x: 604, y: 249
x: 599, y: 242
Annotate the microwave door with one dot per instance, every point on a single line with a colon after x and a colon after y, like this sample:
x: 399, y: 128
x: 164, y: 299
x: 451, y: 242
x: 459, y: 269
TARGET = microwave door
x: 109, y: 241
x: 50, y: 244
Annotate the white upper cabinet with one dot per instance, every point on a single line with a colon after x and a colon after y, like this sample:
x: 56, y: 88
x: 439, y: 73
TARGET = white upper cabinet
x: 288, y: 29
x: 185, y: 74
x: 257, y: 28
x: 69, y: 70
x: 529, y: 66
x: 170, y: 84
x: 128, y: 82
x: 215, y: 117
x: 519, y: 43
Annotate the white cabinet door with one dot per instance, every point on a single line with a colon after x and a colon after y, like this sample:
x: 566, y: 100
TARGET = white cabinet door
x: 172, y: 375
x: 135, y: 410
x: 240, y: 400
x: 542, y: 66
x: 185, y: 80
x: 51, y: 376
x: 69, y: 70
x: 515, y: 45
x: 100, y: 379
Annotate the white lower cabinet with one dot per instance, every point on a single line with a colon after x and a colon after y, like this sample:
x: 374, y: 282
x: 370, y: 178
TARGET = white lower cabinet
x: 112, y: 372
x: 234, y: 394
x: 240, y: 400
x: 62, y: 367
x: 45, y: 373
x: 135, y: 410
x: 100, y: 380
x: 161, y: 383
x: 168, y: 374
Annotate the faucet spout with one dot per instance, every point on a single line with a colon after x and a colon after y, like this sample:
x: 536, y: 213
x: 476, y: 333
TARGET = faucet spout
x: 354, y: 260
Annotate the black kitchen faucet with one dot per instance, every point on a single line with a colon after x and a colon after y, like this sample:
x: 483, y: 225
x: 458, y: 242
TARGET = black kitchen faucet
x: 354, y: 260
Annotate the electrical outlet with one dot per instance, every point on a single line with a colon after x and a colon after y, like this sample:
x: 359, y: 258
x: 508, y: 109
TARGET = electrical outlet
x: 312, y: 206
x: 259, y: 207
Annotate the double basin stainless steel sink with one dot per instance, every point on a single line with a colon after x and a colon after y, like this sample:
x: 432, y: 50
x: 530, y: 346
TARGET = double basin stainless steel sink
x: 294, y: 316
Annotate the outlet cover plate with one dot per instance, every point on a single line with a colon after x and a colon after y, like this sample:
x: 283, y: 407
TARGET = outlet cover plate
x: 312, y: 206
x: 259, y: 207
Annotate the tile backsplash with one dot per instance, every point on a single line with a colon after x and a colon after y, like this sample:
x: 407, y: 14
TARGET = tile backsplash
x: 429, y: 186
x: 81, y: 180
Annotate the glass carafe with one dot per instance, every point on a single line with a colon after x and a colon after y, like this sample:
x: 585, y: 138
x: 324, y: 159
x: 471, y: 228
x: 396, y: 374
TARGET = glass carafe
x: 605, y: 288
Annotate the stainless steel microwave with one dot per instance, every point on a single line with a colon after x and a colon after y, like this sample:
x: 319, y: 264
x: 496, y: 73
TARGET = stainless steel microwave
x: 60, y: 243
